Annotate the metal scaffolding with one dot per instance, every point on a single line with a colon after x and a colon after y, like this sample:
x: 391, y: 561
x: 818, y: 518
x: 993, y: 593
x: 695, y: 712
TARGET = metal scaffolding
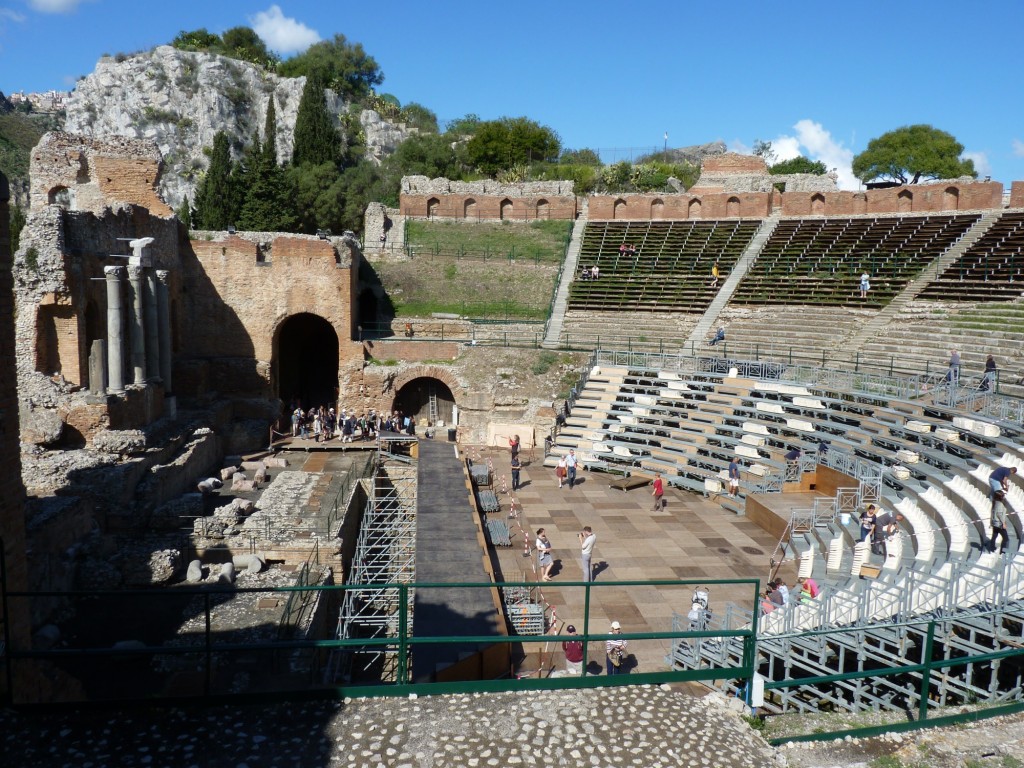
x: 385, y: 557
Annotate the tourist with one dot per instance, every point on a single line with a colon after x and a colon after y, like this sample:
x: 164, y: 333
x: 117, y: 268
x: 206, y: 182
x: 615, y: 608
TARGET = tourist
x: 953, y: 374
x: 867, y: 522
x: 658, y: 493
x: 560, y: 470
x: 543, y: 554
x: 809, y: 588
x: 595, y: 272
x: 719, y: 336
x: 999, y: 522
x: 783, y: 590
x: 772, y: 593
x: 793, y: 465
x: 514, y: 445
x: 573, y: 649
x: 714, y: 275
x: 734, y: 477
x: 990, y: 375
x: 570, y: 467
x: 865, y: 285
x: 999, y: 480
x: 615, y: 652
x: 587, y: 539
x: 517, y: 465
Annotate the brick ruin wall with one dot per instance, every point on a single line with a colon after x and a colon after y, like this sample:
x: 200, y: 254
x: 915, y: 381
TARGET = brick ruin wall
x: 684, y: 206
x: 939, y: 197
x: 12, y: 491
x: 423, y: 197
x: 90, y: 174
x: 236, y: 291
x: 1017, y: 194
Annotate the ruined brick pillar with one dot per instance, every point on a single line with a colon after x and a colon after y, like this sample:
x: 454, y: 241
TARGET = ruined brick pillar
x: 163, y: 303
x: 136, y: 325
x: 115, y: 329
x: 12, y: 492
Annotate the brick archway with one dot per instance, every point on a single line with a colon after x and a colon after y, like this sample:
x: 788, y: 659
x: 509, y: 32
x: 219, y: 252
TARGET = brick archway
x: 430, y: 372
x: 413, y: 389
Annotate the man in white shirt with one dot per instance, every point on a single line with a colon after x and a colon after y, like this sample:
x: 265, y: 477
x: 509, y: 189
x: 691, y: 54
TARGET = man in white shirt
x: 587, y: 540
x: 570, y: 468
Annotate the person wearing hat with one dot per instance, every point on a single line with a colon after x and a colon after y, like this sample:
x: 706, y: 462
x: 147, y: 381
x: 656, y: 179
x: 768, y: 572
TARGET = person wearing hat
x: 615, y: 652
x: 573, y: 649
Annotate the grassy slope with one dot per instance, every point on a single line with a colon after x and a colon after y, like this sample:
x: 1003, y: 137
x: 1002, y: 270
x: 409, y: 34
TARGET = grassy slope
x: 484, y: 282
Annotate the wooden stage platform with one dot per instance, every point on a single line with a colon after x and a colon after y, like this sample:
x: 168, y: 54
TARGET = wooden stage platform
x: 772, y: 511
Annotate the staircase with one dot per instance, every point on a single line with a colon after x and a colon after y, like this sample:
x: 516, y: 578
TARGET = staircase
x: 704, y: 325
x: 873, y: 326
x: 572, y: 257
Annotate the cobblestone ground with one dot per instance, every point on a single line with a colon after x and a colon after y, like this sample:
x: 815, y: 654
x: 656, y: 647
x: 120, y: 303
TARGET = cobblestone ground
x: 636, y: 726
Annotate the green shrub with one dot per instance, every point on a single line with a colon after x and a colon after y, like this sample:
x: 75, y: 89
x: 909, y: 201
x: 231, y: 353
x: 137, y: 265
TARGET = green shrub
x: 543, y: 363
x: 32, y: 258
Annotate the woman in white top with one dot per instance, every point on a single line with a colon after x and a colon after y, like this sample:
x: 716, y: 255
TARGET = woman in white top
x: 543, y: 554
x: 615, y: 651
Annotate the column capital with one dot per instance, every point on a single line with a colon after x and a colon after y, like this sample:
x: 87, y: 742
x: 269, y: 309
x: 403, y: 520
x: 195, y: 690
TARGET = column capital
x: 163, y: 275
x: 135, y: 272
x: 114, y: 273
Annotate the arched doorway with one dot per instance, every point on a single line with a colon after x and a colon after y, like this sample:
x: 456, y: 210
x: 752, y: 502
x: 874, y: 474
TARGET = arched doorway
x: 505, y: 209
x: 469, y: 208
x: 732, y: 207
x: 543, y: 209
x: 951, y: 199
x: 818, y: 204
x: 657, y: 208
x: 905, y: 201
x: 368, y: 309
x: 305, y: 366
x: 693, y: 209
x: 428, y: 399
x: 618, y: 208
x: 433, y: 205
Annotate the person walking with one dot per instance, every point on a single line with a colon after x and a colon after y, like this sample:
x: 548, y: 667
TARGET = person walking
x: 544, y: 560
x: 714, y: 275
x: 615, y: 652
x: 999, y: 522
x: 865, y: 284
x: 560, y: 470
x: 570, y: 467
x: 587, y: 539
x: 734, y: 477
x: 867, y: 522
x: 572, y: 647
x: 516, y: 466
x: 953, y: 374
x: 658, y: 493
x: 990, y: 375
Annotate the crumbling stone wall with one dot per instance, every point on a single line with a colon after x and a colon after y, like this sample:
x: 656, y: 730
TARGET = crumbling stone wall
x: 685, y: 206
x: 423, y: 197
x: 383, y: 228
x: 90, y: 174
x: 12, y: 491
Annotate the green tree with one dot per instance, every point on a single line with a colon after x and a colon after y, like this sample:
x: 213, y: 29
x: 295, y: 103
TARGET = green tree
x: 215, y: 199
x: 463, y: 126
x: 501, y: 144
x: 763, y: 149
x: 316, y: 139
x: 270, y: 132
x: 419, y: 117
x: 910, y: 154
x: 269, y: 199
x: 184, y: 214
x: 197, y: 40
x: 798, y: 164
x: 318, y: 197
x: 342, y: 66
x: 17, y: 220
x: 243, y: 43
x: 580, y: 157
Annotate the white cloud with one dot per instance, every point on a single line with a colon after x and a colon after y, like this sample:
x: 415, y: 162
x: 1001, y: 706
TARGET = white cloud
x: 1018, y: 148
x: 814, y: 142
x: 281, y: 33
x: 9, y: 14
x: 740, y: 148
x: 981, y: 163
x: 54, y: 6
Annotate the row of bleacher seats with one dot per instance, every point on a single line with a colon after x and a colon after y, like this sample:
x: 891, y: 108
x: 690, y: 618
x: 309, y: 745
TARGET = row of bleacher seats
x: 992, y: 269
x: 671, y: 266
x: 820, y: 261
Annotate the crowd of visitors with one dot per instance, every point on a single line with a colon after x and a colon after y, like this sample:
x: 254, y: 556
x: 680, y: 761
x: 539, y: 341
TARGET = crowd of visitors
x: 323, y: 423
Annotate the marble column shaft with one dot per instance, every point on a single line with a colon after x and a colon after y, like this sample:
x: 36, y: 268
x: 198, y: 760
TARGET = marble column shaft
x: 137, y: 326
x: 149, y: 307
x: 115, y: 329
x: 163, y: 302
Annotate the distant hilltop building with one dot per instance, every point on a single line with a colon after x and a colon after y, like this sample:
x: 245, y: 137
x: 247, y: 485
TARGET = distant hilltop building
x: 48, y: 101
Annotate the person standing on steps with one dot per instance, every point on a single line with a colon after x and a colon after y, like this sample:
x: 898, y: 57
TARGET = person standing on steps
x: 587, y: 539
x: 516, y: 466
x: 573, y: 649
x: 734, y: 477
x: 865, y: 284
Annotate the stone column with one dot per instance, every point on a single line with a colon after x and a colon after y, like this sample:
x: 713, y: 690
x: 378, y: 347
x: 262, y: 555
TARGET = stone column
x: 152, y: 325
x: 115, y: 329
x: 136, y: 324
x: 163, y: 303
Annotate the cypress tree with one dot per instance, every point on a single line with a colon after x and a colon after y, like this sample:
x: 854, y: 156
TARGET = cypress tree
x: 316, y: 139
x: 268, y: 201
x: 215, y: 207
x: 270, y: 133
x: 184, y: 213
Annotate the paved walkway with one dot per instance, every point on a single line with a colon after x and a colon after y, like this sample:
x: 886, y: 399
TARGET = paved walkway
x: 691, y: 539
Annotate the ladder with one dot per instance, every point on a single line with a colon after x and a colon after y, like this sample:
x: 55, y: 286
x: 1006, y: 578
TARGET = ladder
x: 432, y: 403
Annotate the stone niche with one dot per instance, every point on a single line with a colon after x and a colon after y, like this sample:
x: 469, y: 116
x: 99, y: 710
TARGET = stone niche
x: 486, y: 200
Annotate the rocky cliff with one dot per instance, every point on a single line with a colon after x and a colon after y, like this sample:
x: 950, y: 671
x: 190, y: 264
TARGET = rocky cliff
x: 180, y: 100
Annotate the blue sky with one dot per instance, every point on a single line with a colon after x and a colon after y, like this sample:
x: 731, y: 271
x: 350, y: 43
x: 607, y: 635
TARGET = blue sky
x: 818, y: 78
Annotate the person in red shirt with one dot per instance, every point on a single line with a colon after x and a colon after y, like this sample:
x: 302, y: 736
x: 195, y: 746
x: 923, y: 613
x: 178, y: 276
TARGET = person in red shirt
x: 658, y: 492
x: 573, y: 649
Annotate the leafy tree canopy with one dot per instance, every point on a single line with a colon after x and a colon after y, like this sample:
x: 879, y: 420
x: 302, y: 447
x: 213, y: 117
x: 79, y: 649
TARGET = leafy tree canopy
x: 798, y: 164
x: 910, y: 154
x: 316, y: 139
x: 501, y: 144
x: 580, y: 157
x: 243, y: 43
x: 196, y: 40
x: 342, y: 66
x: 763, y: 149
x: 464, y: 126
